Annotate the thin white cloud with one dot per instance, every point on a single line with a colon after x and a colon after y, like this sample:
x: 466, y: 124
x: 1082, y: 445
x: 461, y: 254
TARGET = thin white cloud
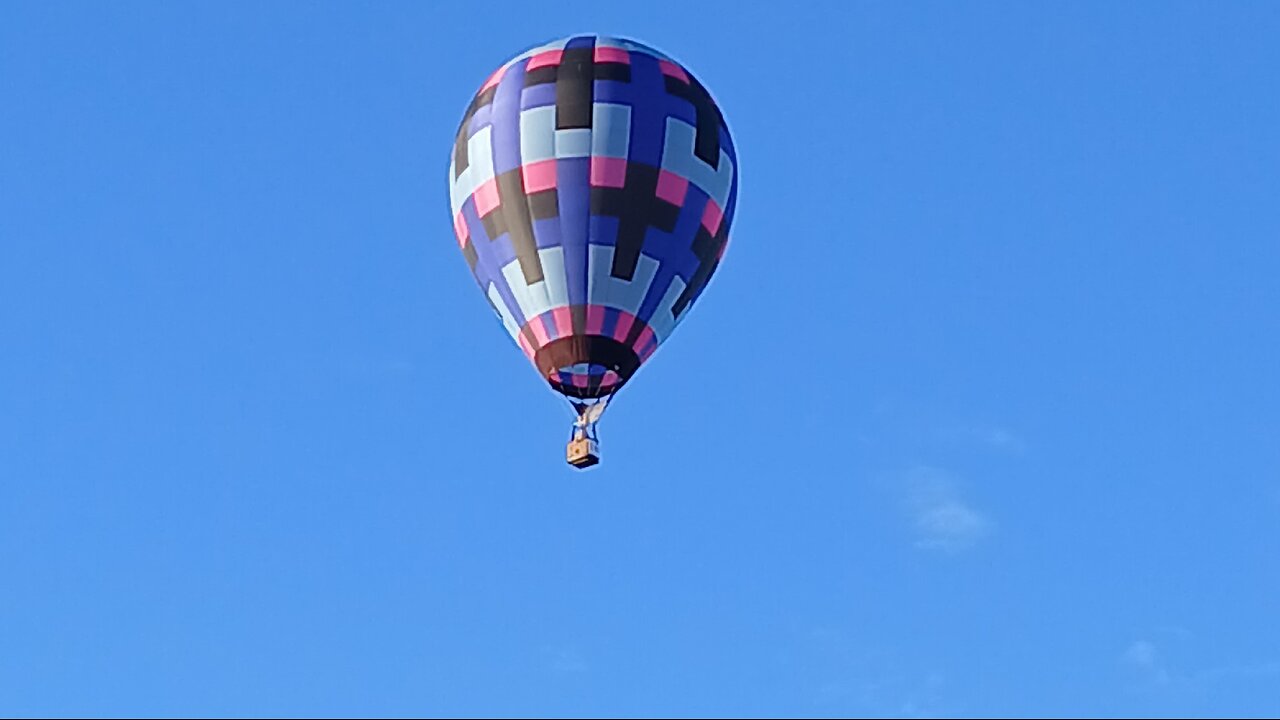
x: 1000, y: 438
x: 942, y: 519
x: 1146, y: 664
x: 1143, y: 658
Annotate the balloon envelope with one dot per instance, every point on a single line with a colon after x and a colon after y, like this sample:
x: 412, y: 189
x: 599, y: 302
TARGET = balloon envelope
x: 592, y: 185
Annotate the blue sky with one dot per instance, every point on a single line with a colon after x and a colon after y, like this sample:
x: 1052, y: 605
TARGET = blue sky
x: 981, y: 415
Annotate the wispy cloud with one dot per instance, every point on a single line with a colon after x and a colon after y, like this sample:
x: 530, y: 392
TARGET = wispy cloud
x: 1000, y: 438
x: 943, y: 520
x: 1143, y: 659
x: 1146, y: 663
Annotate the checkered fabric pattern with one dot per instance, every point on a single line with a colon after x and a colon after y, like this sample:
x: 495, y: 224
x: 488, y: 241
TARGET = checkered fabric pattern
x: 592, y: 186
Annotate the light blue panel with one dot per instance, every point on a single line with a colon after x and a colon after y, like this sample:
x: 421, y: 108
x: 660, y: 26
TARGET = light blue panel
x: 479, y: 169
x: 604, y: 289
x: 573, y: 143
x: 532, y: 299
x: 663, y: 322
x: 480, y: 157
x: 678, y: 157
x: 610, y: 130
x: 538, y: 134
x: 460, y: 190
x: 455, y: 201
x: 555, y: 277
x: 508, y: 320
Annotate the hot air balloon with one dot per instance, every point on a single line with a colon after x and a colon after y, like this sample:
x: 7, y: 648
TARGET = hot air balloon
x: 592, y: 185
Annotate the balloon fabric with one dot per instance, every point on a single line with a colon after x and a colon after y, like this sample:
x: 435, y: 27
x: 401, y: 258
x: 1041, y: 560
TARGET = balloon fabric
x: 592, y: 185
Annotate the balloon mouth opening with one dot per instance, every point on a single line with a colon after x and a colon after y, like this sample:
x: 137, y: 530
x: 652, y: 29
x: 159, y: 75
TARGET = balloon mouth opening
x: 587, y: 366
x: 583, y: 377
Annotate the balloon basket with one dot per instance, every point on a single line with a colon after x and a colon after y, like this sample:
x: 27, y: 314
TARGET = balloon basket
x: 582, y: 453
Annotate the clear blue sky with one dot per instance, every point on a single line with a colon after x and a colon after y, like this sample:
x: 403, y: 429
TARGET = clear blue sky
x: 981, y: 415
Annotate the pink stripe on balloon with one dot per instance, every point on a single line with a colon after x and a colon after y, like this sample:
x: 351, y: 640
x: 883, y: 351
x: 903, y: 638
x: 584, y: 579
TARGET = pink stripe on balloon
x: 544, y: 59
x: 539, y: 176
x: 625, y: 321
x: 610, y: 378
x: 612, y: 54
x: 608, y: 171
x: 539, y: 332
x: 580, y: 380
x: 711, y: 216
x: 674, y: 70
x: 460, y: 229
x: 672, y: 188
x: 564, y: 321
x: 645, y: 336
x: 524, y: 345
x: 549, y: 324
x: 487, y: 197
x: 595, y: 319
